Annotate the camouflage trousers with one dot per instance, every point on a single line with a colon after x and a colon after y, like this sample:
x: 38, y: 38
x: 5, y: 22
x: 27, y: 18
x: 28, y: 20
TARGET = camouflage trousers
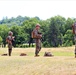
x: 75, y: 43
x: 38, y: 46
x: 9, y: 49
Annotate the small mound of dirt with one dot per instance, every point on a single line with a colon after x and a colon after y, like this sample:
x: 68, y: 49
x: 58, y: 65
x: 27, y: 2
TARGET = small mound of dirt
x: 23, y: 54
x: 4, y: 55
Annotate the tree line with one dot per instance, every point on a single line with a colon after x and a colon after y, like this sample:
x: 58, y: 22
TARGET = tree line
x: 57, y: 31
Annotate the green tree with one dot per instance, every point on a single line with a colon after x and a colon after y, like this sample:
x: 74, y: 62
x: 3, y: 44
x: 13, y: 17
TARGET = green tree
x: 3, y: 33
x: 68, y: 38
x: 19, y: 35
x: 44, y: 30
x: 1, y: 40
x: 53, y: 32
x: 69, y: 23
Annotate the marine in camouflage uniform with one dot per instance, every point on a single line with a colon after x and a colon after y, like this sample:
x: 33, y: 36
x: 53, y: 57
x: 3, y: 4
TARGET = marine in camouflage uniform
x: 74, y: 32
x: 38, y: 39
x: 9, y: 40
x: 75, y: 44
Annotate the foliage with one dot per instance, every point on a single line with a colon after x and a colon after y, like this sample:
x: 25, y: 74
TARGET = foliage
x: 27, y: 27
x: 14, y: 21
x: 56, y: 31
x: 68, y: 35
x: 3, y: 33
x: 1, y: 40
x: 19, y: 35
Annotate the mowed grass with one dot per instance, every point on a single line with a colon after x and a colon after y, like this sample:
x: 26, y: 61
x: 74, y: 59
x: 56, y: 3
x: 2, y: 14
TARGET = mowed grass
x: 62, y: 63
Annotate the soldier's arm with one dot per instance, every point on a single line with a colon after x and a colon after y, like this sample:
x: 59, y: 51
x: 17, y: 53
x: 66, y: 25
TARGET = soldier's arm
x: 38, y: 35
x: 8, y: 41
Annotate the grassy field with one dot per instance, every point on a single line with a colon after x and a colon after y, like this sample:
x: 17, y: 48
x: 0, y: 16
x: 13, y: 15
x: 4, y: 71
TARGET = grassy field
x: 62, y: 63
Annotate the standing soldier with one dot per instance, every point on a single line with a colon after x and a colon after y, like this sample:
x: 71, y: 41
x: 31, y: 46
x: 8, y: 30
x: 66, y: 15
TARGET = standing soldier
x: 74, y: 32
x: 9, y: 40
x: 37, y: 36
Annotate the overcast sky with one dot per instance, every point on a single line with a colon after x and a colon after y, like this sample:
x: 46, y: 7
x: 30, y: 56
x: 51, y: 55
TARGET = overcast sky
x: 44, y: 9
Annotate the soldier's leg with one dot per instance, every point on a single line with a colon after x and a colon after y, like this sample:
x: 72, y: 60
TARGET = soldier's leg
x: 37, y: 49
x: 75, y: 55
x: 10, y: 51
x: 39, y: 45
x: 75, y: 45
x: 75, y: 49
x: 36, y: 52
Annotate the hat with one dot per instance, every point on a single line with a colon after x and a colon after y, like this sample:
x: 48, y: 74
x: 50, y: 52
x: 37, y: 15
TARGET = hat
x: 10, y: 32
x: 37, y: 25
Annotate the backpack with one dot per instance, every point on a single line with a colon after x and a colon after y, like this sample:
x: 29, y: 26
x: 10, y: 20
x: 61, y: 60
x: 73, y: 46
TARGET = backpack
x: 33, y: 35
x: 49, y: 54
x: 7, y: 39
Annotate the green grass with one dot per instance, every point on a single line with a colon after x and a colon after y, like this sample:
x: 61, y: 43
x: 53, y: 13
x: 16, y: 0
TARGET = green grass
x: 63, y: 53
x: 63, y: 62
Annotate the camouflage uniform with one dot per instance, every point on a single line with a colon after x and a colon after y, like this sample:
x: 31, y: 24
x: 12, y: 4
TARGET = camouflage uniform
x: 9, y: 40
x: 75, y: 44
x: 38, y: 42
x: 74, y: 32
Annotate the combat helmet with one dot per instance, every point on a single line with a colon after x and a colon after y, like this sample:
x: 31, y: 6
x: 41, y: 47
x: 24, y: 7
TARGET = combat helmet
x: 37, y: 25
x: 10, y: 33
